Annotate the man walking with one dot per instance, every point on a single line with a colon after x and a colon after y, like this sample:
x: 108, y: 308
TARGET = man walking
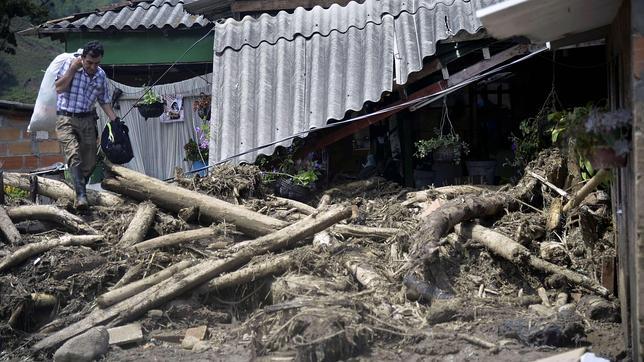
x: 80, y: 83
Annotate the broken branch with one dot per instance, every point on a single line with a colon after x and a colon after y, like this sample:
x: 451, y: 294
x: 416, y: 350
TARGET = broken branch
x: 30, y: 250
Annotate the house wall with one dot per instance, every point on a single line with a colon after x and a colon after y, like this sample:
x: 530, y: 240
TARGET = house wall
x: 636, y: 75
x: 149, y: 47
x: 626, y: 62
x: 21, y: 151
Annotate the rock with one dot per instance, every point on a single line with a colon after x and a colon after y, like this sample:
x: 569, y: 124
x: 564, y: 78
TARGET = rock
x: 541, y: 310
x: 194, y: 335
x: 558, y: 333
x: 189, y: 342
x: 88, y: 346
x: 201, y: 346
x: 598, y: 309
x: 155, y: 313
x: 130, y: 333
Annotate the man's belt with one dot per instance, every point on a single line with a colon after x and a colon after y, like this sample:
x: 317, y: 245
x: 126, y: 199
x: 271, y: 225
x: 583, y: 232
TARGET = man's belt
x: 77, y: 115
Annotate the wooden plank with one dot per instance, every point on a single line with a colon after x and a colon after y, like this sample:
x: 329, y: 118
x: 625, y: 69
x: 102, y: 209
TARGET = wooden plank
x: 570, y: 356
x: 272, y: 5
x: 356, y: 126
x: 608, y: 273
x: 486, y: 64
x: 479, y: 68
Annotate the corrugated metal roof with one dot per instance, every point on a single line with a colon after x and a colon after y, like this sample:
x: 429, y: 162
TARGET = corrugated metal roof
x: 276, y: 76
x: 274, y: 90
x: 132, y: 15
x: 253, y: 31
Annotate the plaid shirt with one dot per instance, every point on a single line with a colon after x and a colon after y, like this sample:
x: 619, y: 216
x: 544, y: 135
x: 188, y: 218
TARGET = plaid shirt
x: 84, y: 90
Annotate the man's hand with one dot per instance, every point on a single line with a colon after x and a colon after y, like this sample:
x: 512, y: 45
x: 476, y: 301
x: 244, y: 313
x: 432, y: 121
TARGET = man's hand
x: 77, y: 64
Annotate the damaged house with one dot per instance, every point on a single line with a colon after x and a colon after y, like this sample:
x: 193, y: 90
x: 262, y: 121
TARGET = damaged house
x: 505, y: 247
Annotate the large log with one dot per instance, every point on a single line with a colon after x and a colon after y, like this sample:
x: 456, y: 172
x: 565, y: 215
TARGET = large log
x: 175, y: 238
x: 60, y: 190
x: 174, y: 198
x: 50, y: 213
x: 518, y: 254
x: 30, y: 250
x: 271, y: 266
x: 190, y: 278
x: 141, y: 222
x: 116, y: 295
x: 439, y: 222
x: 7, y: 228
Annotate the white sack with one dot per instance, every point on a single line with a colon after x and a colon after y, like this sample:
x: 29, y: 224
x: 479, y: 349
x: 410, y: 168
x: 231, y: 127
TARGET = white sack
x: 44, y: 116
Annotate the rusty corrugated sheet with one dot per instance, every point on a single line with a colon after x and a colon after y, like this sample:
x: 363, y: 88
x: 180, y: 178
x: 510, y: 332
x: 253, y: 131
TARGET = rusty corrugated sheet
x: 276, y: 76
x: 137, y: 15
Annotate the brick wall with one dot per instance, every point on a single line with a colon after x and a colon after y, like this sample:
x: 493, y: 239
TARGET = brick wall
x: 23, y: 151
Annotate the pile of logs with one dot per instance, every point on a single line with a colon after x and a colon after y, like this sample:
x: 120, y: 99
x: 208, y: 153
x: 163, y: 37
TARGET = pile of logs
x: 129, y: 300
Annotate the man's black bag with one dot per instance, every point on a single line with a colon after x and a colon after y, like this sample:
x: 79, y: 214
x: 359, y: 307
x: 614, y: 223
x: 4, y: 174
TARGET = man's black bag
x: 115, y: 142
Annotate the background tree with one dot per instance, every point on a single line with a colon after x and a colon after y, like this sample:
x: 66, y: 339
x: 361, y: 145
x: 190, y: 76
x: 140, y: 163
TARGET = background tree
x: 10, y: 9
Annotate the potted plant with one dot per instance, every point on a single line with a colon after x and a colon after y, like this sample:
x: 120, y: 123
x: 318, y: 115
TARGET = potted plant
x: 602, y: 137
x: 197, y: 152
x: 443, y: 147
x: 150, y: 105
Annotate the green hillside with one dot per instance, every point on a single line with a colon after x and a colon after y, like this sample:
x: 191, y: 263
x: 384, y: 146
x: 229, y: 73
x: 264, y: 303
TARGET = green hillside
x: 21, y: 74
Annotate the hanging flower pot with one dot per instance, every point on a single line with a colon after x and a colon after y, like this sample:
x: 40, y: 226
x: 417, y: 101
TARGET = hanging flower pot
x: 151, y: 110
x: 605, y: 157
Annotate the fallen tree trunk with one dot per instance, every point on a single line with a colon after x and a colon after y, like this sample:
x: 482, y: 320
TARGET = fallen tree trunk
x: 50, y: 213
x: 60, y: 190
x: 7, y: 227
x: 271, y: 266
x: 174, y: 198
x: 116, y: 295
x: 448, y: 191
x: 30, y: 250
x: 365, y: 231
x: 455, y: 211
x: 139, y: 226
x: 589, y: 187
x: 175, y: 239
x: 518, y: 254
x: 192, y: 277
x: 344, y: 229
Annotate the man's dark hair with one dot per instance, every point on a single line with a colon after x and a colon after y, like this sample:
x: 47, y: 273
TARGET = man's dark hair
x: 93, y: 48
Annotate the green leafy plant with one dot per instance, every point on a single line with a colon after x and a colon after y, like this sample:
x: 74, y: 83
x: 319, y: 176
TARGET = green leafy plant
x: 533, y: 137
x: 15, y: 192
x: 150, y: 97
x: 450, y: 142
x: 305, y: 178
x: 198, y: 151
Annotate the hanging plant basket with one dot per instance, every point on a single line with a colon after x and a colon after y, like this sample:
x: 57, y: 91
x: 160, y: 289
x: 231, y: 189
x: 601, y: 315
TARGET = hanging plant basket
x: 151, y: 110
x: 445, y: 154
x: 286, y: 188
x: 605, y: 157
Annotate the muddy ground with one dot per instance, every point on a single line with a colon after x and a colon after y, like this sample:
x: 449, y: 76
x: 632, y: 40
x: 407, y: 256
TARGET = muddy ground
x: 483, y: 307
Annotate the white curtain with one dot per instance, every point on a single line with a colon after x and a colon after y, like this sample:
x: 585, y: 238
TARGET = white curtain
x: 158, y: 147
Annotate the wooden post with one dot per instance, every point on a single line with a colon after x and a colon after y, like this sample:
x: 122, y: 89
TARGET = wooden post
x: 2, y: 201
x: 33, y: 188
x: 608, y: 273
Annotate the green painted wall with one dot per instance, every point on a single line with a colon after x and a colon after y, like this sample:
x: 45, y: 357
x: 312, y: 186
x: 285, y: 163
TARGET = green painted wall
x: 147, y: 47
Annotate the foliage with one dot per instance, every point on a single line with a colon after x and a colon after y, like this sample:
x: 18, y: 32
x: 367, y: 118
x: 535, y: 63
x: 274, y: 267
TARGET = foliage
x: 592, y: 127
x: 10, y: 9
x: 303, y: 172
x: 198, y: 151
x: 534, y: 136
x: 442, y: 141
x: 150, y: 97
x: 15, y: 192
